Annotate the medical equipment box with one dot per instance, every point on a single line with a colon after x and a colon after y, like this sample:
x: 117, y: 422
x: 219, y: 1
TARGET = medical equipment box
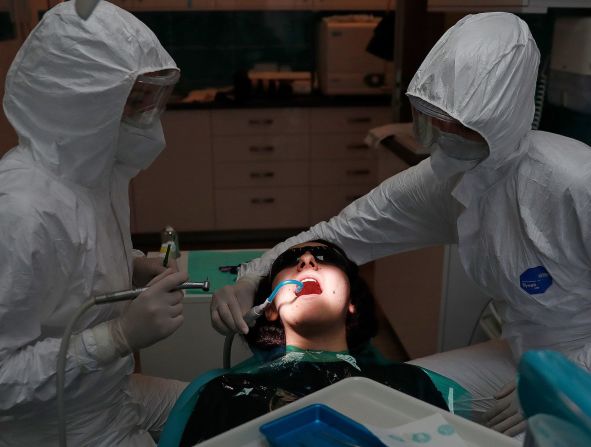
x: 317, y: 425
x: 343, y: 64
x: 569, y: 84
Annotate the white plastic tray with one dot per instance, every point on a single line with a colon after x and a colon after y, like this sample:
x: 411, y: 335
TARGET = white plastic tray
x: 367, y: 402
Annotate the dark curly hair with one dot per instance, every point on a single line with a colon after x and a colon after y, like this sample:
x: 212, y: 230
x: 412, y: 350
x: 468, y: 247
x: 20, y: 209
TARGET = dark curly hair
x: 361, y: 326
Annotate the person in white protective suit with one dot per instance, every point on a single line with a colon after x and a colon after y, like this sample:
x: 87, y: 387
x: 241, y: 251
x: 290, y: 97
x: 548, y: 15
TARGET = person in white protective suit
x: 516, y: 201
x: 85, y: 99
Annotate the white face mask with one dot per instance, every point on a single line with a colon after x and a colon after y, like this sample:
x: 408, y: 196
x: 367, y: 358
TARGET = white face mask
x: 445, y: 166
x: 138, y: 148
x: 461, y: 148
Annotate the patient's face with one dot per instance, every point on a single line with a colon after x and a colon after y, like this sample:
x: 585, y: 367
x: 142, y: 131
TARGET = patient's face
x: 323, y: 301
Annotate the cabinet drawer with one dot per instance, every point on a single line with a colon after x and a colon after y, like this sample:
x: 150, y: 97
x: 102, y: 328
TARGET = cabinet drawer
x: 350, y: 172
x: 260, y: 148
x: 328, y: 201
x: 339, y: 146
x: 351, y: 119
x: 260, y: 208
x: 259, y: 121
x: 255, y: 175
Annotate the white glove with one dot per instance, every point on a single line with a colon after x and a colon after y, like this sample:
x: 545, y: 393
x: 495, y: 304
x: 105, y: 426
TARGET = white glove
x: 230, y: 303
x: 152, y: 316
x: 505, y: 416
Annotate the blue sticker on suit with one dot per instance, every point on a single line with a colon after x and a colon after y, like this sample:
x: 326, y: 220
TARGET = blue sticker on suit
x: 535, y: 280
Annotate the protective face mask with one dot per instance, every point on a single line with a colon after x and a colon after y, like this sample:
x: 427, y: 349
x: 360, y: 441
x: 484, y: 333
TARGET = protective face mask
x: 138, y: 148
x: 461, y: 148
x: 445, y: 166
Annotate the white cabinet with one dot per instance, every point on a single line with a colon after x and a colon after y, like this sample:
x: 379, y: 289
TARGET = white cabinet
x: 531, y: 6
x: 259, y: 121
x: 342, y: 166
x: 249, y: 169
x: 261, y: 168
x: 348, y: 119
x: 177, y: 188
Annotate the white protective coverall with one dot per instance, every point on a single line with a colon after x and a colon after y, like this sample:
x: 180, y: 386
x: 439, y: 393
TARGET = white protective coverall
x: 65, y: 229
x: 521, y: 217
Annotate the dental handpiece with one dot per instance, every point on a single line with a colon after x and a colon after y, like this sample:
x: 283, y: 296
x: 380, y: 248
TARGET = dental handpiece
x: 130, y: 294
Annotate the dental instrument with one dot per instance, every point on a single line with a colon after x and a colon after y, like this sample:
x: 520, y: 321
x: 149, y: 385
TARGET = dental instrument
x: 165, y: 262
x: 112, y: 297
x: 255, y: 312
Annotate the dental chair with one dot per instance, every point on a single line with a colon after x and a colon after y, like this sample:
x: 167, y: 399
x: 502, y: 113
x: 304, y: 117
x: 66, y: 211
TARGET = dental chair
x: 555, y: 396
x: 456, y: 397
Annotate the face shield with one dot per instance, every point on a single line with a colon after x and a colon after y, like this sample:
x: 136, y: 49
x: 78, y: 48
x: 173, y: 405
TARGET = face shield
x: 436, y: 129
x: 148, y: 97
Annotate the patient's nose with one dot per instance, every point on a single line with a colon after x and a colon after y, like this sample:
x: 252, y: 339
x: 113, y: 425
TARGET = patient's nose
x: 307, y: 260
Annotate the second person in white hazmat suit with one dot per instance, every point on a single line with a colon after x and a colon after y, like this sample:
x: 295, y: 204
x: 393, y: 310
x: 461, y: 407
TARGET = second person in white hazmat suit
x: 84, y: 98
x: 516, y: 201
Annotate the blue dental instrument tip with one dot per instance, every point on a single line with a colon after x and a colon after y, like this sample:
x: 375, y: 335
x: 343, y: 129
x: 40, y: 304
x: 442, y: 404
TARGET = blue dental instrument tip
x: 299, y: 287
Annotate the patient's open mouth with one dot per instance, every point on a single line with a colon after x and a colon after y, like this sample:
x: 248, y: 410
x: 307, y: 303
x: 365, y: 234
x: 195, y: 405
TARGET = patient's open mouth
x: 311, y: 287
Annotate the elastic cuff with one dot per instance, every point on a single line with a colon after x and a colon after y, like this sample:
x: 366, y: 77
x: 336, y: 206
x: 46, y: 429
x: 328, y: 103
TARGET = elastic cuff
x: 102, y: 344
x: 119, y: 340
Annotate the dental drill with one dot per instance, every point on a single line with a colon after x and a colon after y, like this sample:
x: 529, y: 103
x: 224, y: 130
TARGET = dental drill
x: 112, y: 297
x: 255, y: 312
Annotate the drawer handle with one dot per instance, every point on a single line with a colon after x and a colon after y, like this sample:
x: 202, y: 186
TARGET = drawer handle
x: 359, y: 120
x: 262, y: 200
x: 261, y: 122
x: 358, y: 172
x: 261, y: 148
x: 358, y: 147
x: 269, y: 174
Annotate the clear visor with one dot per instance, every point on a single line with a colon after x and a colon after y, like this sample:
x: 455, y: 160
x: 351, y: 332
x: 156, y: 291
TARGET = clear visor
x: 429, y: 109
x: 148, y: 97
x: 429, y: 121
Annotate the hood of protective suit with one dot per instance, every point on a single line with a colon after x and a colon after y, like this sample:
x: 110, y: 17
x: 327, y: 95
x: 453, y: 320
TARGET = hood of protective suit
x: 483, y: 73
x: 68, y: 84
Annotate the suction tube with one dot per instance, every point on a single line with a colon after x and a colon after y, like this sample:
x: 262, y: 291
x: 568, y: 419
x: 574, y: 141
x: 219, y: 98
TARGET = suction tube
x: 254, y: 313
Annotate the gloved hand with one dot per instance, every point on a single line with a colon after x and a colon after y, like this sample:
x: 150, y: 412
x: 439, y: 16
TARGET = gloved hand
x: 230, y: 303
x: 505, y: 416
x: 146, y: 269
x: 153, y: 315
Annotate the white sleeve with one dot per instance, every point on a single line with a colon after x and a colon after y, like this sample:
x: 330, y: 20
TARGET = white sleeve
x: 34, y: 276
x: 408, y: 211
